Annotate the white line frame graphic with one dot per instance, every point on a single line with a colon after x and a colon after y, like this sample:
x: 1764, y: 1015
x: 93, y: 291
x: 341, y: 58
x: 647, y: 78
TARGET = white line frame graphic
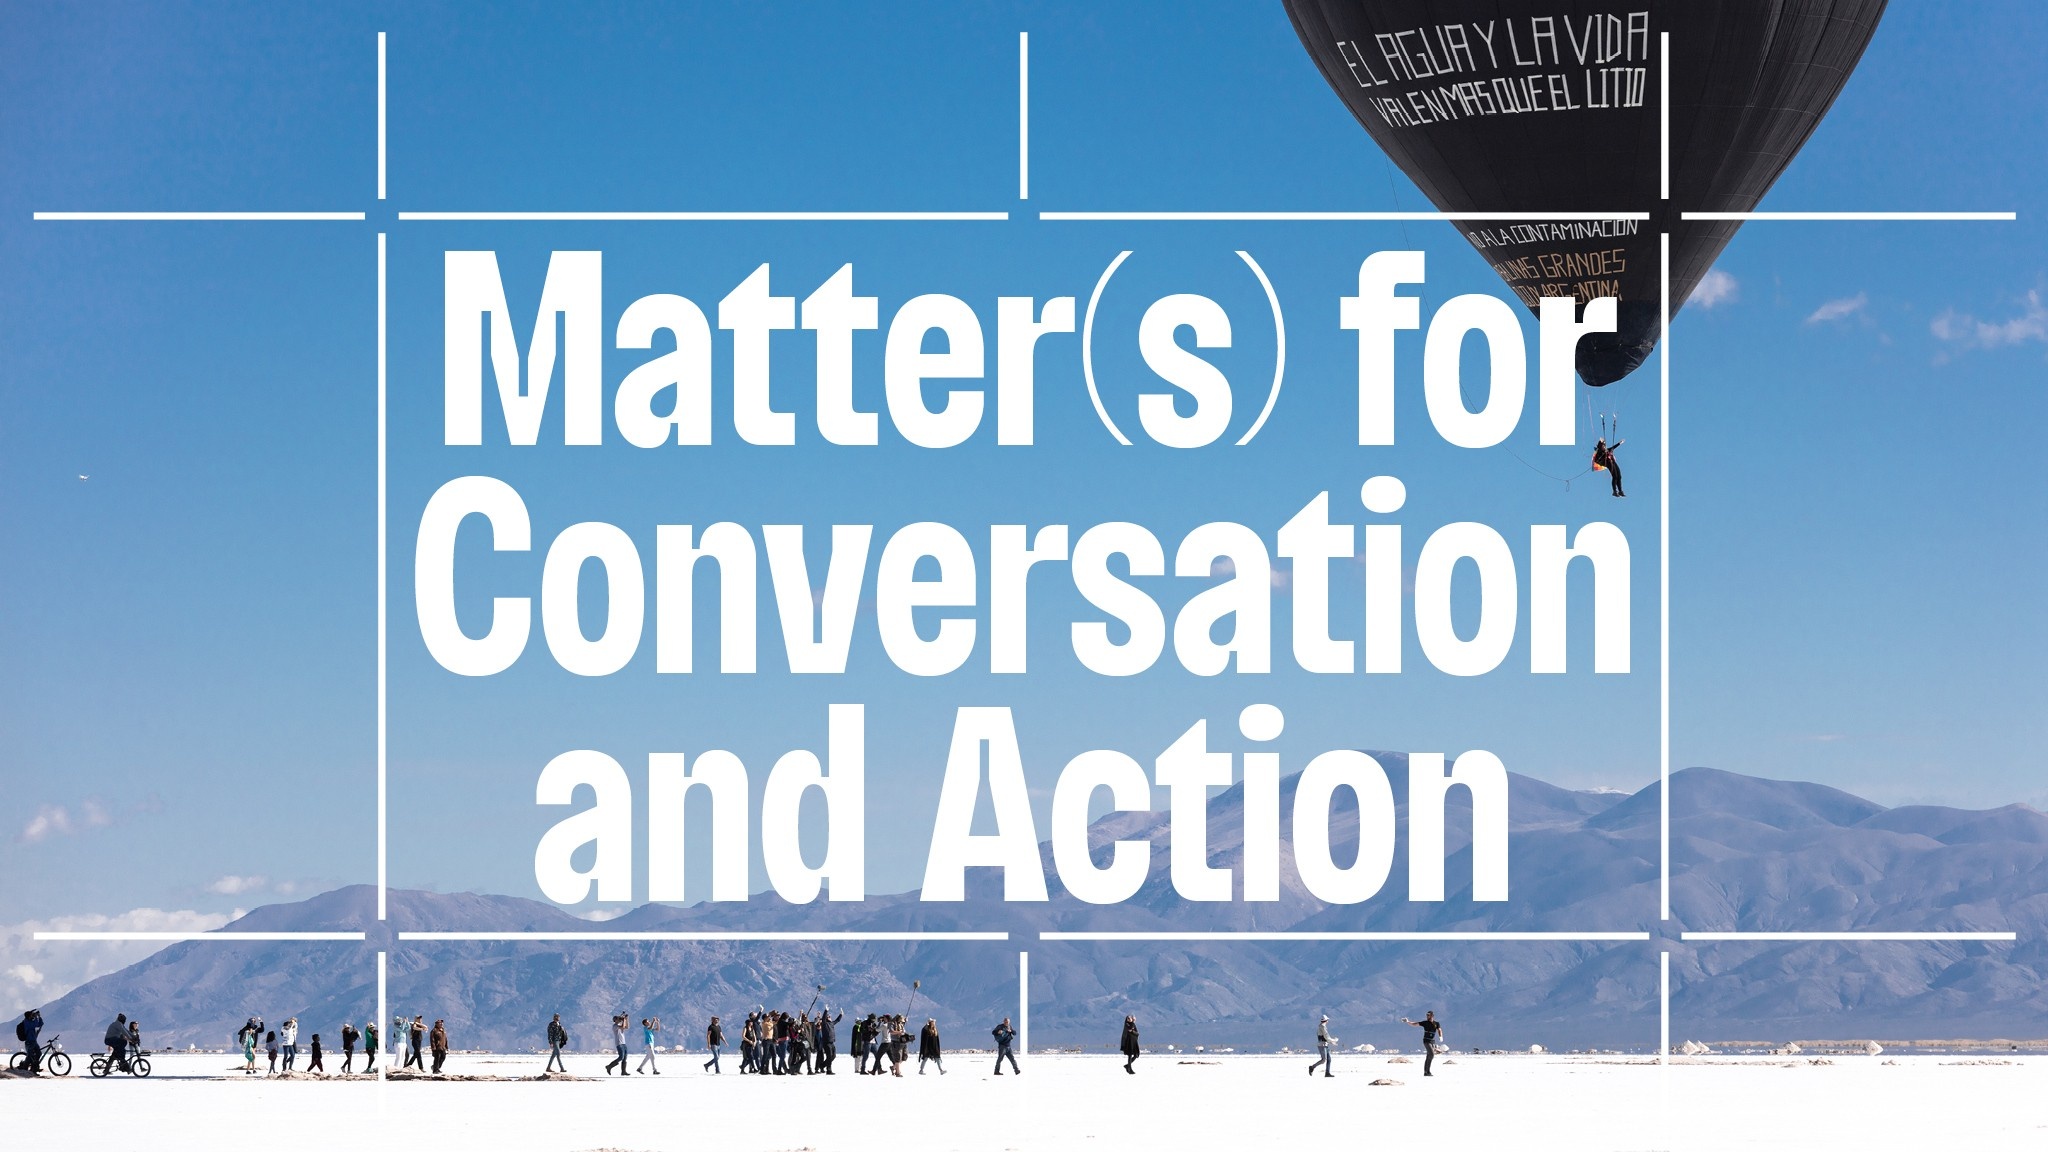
x: 1349, y: 937
x: 1023, y: 193
x: 1023, y: 115
x: 202, y: 217
x: 1858, y: 937
x: 1327, y: 217
x: 705, y: 937
x: 222, y: 935
x: 383, y: 620
x: 708, y: 217
x: 1813, y: 217
x: 1664, y: 573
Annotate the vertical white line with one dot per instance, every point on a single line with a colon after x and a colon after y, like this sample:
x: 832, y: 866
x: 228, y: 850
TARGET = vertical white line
x: 1664, y: 1006
x: 383, y: 853
x: 381, y: 1005
x: 1023, y: 115
x: 1024, y: 1003
x: 1664, y: 110
x: 1664, y: 566
x: 380, y: 115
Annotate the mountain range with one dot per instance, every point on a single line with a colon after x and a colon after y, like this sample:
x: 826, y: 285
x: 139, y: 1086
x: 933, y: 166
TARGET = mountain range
x: 1747, y: 854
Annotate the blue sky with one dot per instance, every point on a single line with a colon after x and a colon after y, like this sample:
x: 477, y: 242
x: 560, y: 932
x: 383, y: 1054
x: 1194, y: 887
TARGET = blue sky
x: 187, y: 643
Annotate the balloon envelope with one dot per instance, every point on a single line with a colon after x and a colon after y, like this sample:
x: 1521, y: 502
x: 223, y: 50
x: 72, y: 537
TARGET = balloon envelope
x: 1556, y: 106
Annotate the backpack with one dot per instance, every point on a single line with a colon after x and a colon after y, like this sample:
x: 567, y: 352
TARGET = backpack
x: 21, y: 1031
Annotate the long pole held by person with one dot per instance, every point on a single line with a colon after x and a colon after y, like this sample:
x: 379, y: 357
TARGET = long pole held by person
x: 914, y: 984
x: 814, y: 999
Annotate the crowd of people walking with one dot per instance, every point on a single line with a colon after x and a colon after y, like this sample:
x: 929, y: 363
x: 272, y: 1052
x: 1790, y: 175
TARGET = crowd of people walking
x: 771, y: 1043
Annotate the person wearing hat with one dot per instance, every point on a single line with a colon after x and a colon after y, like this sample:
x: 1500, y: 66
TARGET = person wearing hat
x: 1325, y: 1043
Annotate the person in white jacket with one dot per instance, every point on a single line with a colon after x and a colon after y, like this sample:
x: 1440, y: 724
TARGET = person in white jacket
x: 1325, y: 1045
x: 288, y: 1035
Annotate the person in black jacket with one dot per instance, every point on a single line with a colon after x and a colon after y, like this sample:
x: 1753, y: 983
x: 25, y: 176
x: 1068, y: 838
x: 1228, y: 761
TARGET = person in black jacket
x: 828, y: 1040
x: 30, y: 1032
x: 1603, y: 458
x: 349, y: 1036
x: 117, y: 1039
x: 928, y: 1047
x: 558, y: 1038
x: 313, y: 1065
x: 1129, y: 1044
x: 1005, y: 1036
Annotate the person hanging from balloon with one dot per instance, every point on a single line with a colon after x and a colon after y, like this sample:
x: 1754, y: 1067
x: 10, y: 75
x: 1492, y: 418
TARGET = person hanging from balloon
x: 1603, y: 460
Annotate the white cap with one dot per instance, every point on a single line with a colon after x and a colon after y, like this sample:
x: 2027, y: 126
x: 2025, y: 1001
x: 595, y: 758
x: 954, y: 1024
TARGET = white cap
x: 1326, y: 1019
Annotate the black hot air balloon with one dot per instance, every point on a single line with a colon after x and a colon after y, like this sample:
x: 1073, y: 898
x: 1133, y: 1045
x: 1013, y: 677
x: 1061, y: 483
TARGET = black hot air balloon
x: 1553, y: 106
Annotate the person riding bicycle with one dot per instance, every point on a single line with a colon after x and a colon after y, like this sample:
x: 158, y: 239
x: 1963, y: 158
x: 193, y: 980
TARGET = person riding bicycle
x: 116, y: 1039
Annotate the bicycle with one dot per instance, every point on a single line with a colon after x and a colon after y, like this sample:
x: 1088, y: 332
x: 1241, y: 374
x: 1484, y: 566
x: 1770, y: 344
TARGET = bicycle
x: 103, y: 1064
x: 55, y: 1062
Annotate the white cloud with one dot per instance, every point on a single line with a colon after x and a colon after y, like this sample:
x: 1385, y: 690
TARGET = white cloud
x: 1841, y: 309
x: 59, y: 820
x: 41, y: 971
x: 1966, y: 331
x: 48, y: 821
x: 236, y: 885
x: 600, y: 915
x: 1714, y: 289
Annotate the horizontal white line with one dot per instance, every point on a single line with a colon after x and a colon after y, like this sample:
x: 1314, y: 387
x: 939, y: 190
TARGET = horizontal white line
x: 1342, y: 936
x: 795, y: 937
x: 227, y: 937
x: 1878, y: 936
x: 200, y: 216
x: 1848, y: 215
x: 1340, y: 216
x: 712, y: 217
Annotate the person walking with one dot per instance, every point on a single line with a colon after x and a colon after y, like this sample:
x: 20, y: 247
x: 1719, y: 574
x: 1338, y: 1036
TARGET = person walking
x: 439, y: 1040
x: 313, y: 1065
x: 649, y: 1027
x: 288, y: 1033
x: 928, y: 1047
x: 416, y: 1035
x: 899, y: 1044
x: 1432, y: 1037
x: 1005, y: 1036
x: 1128, y: 1045
x: 558, y: 1038
x: 369, y: 1046
x: 714, y: 1039
x: 116, y: 1039
x: 1324, y: 1043
x: 349, y: 1036
x: 619, y: 1046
